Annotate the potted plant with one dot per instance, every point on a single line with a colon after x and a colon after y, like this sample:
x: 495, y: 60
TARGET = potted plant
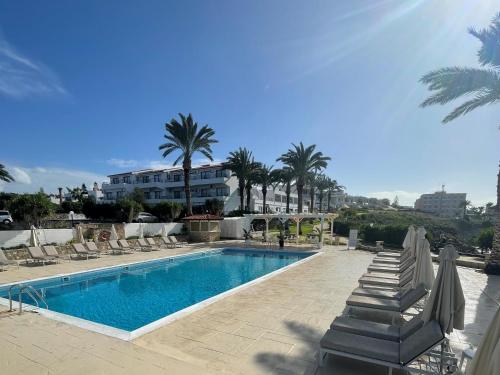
x: 281, y: 239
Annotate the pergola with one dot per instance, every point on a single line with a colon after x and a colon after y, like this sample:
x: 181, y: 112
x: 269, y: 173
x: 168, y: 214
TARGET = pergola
x: 297, y: 218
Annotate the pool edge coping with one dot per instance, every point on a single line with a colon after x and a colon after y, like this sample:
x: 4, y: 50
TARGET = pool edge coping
x: 150, y: 327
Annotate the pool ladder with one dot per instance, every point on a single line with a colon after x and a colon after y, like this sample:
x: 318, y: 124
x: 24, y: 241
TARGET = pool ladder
x: 31, y: 292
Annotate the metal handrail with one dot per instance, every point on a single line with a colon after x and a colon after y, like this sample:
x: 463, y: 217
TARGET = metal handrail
x: 30, y: 291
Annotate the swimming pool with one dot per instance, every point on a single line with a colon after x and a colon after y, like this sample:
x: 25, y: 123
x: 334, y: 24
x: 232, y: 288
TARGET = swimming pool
x: 128, y: 300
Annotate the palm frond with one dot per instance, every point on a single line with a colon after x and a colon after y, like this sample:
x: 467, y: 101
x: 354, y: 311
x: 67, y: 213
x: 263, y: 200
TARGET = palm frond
x: 479, y: 101
x: 489, y: 53
x: 5, y: 175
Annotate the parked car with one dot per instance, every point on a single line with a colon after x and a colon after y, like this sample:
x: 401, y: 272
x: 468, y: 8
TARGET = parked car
x: 5, y: 217
x: 145, y: 217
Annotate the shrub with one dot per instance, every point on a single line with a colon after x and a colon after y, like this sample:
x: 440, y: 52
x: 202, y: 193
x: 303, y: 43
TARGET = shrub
x: 485, y: 239
x: 166, y: 211
x: 390, y: 234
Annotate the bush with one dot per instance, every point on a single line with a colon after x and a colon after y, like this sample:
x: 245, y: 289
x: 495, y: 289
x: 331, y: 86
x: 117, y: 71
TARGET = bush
x: 485, y: 239
x: 390, y: 234
x: 341, y: 228
x: 166, y: 211
x: 31, y: 208
x: 68, y: 206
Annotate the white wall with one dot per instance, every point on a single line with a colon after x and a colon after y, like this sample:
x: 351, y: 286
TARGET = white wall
x: 11, y: 238
x: 232, y: 227
x: 152, y: 229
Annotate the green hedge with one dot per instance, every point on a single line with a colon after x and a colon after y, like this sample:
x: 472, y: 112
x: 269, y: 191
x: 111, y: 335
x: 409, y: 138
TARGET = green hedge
x: 390, y: 234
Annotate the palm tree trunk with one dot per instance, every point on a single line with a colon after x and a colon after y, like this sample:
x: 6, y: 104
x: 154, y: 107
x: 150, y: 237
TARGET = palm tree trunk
x: 311, y: 193
x: 321, y: 202
x: 493, y: 265
x: 264, y: 196
x: 241, y: 187
x: 300, y: 189
x: 329, y: 199
x: 249, y: 196
x: 287, y: 192
x: 187, y: 188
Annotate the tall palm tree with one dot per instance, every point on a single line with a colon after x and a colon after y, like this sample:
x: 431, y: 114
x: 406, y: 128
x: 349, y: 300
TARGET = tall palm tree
x: 286, y: 177
x: 252, y: 178
x: 311, y: 184
x: 322, y: 185
x: 185, y: 137
x: 481, y: 86
x: 266, y: 176
x: 333, y: 186
x: 5, y: 175
x: 302, y: 161
x: 241, y: 163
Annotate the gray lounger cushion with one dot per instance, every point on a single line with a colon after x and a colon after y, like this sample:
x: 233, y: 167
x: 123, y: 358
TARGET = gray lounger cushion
x: 408, y: 299
x: 377, y: 330
x: 379, y: 293
x: 386, y: 261
x: 420, y: 341
x: 366, y: 346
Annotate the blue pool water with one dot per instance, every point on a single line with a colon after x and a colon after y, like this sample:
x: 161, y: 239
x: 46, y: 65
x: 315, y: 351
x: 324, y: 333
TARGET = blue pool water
x: 129, y: 298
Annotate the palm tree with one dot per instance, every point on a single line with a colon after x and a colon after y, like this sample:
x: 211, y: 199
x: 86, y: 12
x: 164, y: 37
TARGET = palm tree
x: 4, y: 175
x: 481, y: 86
x: 311, y: 184
x: 302, y: 161
x: 322, y: 184
x: 252, y: 178
x: 186, y: 138
x: 266, y: 176
x: 241, y: 163
x: 286, y: 177
x: 333, y: 186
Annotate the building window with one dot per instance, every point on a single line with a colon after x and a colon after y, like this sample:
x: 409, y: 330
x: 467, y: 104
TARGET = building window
x: 115, y: 180
x: 220, y: 173
x: 205, y: 175
x: 147, y: 195
x: 109, y: 195
x: 137, y: 179
x: 119, y: 194
x: 157, y: 194
x: 156, y: 178
x: 177, y: 194
x: 205, y: 193
x: 145, y: 179
x: 222, y: 192
x: 177, y: 177
x: 126, y: 180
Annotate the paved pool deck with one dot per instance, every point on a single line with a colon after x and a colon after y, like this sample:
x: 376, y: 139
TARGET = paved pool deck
x: 269, y: 328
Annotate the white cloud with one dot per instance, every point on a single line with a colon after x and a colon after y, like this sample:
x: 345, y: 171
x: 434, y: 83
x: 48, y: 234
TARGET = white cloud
x: 30, y: 180
x: 122, y: 163
x: 406, y: 198
x: 21, y: 77
x: 20, y: 176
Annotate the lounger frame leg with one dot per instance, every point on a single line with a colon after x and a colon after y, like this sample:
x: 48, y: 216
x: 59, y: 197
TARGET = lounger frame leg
x: 321, y: 358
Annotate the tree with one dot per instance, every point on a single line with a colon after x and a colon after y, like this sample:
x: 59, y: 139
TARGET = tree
x: 395, y: 202
x: 166, y: 211
x: 5, y: 175
x: 322, y: 184
x: 485, y: 239
x: 285, y: 176
x: 481, y: 86
x: 266, y: 177
x: 31, y: 208
x: 465, y: 206
x: 214, y: 206
x: 311, y: 183
x: 302, y: 161
x: 186, y: 138
x: 241, y: 163
x: 251, y: 179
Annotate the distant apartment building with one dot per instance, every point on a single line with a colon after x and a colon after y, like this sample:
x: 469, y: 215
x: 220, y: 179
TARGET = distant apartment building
x: 442, y: 203
x: 207, y: 182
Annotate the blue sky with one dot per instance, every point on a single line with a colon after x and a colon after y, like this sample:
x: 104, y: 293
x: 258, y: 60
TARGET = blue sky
x: 85, y: 88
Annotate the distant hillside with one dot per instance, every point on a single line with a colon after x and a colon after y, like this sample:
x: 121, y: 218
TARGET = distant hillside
x: 464, y: 229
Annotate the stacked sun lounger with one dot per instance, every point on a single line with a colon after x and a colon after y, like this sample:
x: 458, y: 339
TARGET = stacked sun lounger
x: 382, y: 322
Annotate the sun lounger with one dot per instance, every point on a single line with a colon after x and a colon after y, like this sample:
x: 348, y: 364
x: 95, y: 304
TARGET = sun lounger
x: 4, y: 261
x: 395, y: 307
x: 154, y: 246
x: 391, y: 254
x: 378, y: 281
x: 377, y: 330
x: 392, y: 354
x: 173, y: 239
x: 391, y: 268
x: 126, y: 248
x: 37, y: 255
x: 378, y: 293
x: 92, y: 247
x: 51, y: 251
x: 387, y: 275
x: 167, y: 243
x: 82, y: 252
x: 144, y: 245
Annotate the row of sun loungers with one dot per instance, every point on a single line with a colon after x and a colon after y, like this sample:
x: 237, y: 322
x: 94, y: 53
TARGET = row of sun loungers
x: 48, y: 253
x: 384, y: 291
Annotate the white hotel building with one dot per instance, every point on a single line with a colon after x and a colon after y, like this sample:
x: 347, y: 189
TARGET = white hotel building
x: 207, y: 182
